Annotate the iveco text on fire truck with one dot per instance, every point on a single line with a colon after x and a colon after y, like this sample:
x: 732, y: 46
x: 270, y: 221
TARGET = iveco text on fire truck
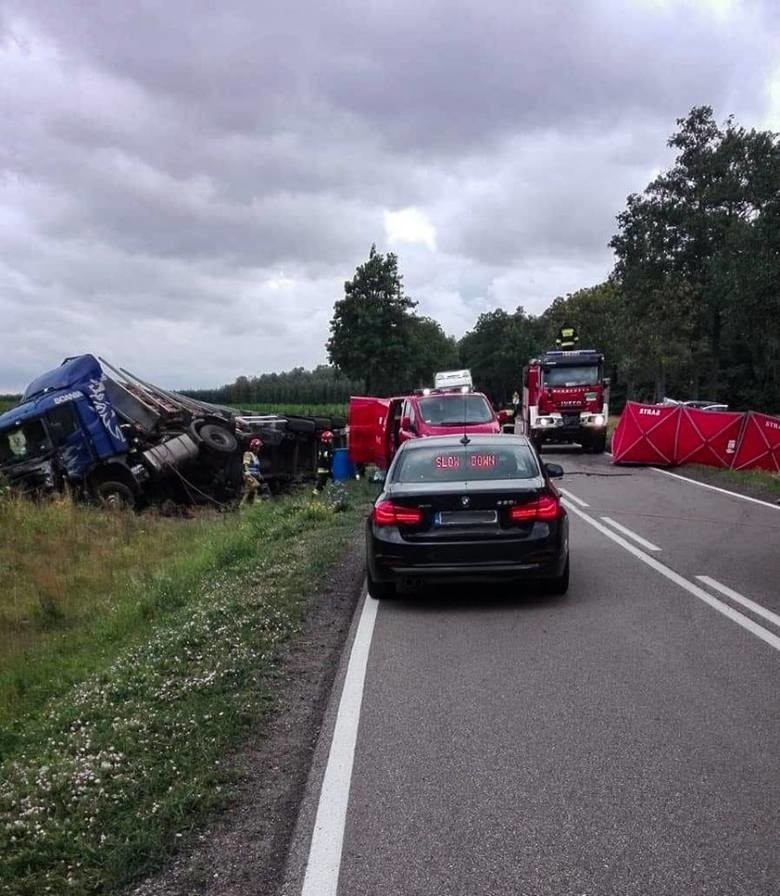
x: 565, y: 399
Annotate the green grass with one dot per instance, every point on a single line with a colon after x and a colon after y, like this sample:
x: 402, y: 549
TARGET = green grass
x: 750, y: 480
x: 6, y: 404
x: 116, y: 749
x: 303, y: 410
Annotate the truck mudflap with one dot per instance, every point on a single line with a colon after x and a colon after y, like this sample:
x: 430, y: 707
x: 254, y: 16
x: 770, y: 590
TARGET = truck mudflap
x: 368, y: 427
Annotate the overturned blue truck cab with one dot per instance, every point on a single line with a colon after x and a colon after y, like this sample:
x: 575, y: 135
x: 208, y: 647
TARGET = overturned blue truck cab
x: 117, y: 440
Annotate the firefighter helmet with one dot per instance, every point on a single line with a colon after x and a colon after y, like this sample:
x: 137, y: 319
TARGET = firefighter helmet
x: 255, y: 444
x: 326, y: 436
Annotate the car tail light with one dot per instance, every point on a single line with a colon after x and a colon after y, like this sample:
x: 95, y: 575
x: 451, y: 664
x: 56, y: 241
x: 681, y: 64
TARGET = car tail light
x: 386, y: 513
x: 544, y: 508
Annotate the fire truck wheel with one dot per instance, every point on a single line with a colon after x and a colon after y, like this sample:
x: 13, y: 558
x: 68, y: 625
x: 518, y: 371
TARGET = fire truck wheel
x: 599, y: 444
x: 115, y: 495
x: 216, y: 439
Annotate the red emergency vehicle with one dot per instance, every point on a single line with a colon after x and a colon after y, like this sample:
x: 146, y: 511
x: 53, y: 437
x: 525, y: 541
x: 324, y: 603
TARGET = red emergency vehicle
x: 566, y: 399
x: 378, y: 426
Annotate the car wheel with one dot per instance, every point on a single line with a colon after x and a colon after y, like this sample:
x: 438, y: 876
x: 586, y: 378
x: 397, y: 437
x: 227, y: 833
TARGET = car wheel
x: 560, y: 584
x: 380, y: 590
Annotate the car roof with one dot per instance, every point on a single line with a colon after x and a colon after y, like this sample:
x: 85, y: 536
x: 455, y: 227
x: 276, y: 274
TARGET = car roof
x: 480, y: 440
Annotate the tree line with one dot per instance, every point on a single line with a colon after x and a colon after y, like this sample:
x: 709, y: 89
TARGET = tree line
x: 690, y: 310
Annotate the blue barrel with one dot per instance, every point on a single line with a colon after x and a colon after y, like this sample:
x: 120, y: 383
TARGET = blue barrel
x: 342, y: 467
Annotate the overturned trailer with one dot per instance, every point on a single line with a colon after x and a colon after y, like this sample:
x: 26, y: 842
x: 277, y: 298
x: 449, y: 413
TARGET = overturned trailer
x: 106, y: 435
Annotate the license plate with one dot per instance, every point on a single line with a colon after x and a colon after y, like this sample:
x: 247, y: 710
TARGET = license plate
x: 466, y: 517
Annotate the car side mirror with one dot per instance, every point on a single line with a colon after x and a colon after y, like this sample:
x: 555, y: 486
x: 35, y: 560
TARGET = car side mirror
x: 554, y: 471
x: 406, y: 424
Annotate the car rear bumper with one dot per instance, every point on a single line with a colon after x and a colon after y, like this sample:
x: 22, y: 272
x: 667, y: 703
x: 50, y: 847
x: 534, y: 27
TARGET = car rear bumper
x: 393, y: 561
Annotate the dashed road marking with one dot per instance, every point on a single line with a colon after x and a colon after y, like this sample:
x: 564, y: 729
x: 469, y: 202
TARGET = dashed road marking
x: 725, y: 609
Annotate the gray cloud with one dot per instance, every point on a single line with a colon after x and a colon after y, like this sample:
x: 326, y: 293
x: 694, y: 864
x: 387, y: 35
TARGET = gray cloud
x: 182, y: 179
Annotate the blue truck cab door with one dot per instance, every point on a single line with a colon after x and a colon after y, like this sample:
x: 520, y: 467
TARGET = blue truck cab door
x: 73, y: 449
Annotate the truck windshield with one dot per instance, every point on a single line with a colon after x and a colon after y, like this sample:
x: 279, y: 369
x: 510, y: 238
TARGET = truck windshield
x: 580, y: 375
x: 19, y: 443
x: 455, y: 410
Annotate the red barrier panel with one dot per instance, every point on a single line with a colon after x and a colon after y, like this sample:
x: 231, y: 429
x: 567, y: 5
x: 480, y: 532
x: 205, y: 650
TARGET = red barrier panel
x: 646, y: 434
x: 759, y: 447
x: 707, y: 437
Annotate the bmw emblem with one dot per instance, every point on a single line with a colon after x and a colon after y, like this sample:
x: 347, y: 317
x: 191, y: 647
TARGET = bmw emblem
x: 465, y: 501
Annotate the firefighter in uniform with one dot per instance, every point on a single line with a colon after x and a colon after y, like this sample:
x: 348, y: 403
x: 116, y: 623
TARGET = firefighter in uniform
x: 324, y: 460
x: 253, y: 479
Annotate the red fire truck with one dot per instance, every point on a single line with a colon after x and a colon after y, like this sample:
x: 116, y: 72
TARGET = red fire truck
x: 566, y: 399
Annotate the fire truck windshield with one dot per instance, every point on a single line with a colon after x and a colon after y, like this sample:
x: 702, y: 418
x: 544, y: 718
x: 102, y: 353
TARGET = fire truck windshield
x: 579, y: 375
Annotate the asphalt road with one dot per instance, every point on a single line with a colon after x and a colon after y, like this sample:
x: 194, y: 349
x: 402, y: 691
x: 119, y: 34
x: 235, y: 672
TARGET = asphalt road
x: 622, y: 740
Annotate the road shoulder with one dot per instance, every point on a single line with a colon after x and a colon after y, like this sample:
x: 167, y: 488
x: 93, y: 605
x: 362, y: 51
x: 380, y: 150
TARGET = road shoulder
x: 245, y: 849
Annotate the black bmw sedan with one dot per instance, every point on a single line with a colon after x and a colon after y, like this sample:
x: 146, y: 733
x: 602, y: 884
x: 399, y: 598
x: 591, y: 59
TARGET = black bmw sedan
x: 466, y: 508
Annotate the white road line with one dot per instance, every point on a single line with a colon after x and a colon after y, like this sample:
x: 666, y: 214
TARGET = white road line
x: 741, y: 599
x: 324, y: 863
x: 648, y: 545
x: 746, y: 623
x: 715, y: 488
x: 572, y: 497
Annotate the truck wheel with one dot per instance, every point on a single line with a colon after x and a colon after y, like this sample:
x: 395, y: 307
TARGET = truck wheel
x: 537, y: 443
x: 115, y: 495
x: 599, y: 444
x: 379, y: 590
x: 300, y: 425
x: 216, y: 438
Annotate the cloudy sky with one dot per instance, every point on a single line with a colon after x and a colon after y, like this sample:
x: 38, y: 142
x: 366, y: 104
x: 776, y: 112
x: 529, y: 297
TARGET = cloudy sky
x: 185, y: 185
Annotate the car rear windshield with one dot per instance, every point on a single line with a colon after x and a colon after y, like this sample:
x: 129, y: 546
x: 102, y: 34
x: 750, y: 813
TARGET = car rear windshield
x: 432, y: 464
x: 455, y: 410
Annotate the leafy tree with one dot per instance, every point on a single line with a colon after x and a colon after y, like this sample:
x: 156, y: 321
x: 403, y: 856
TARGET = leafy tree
x: 686, y: 252
x: 496, y: 350
x: 430, y: 350
x: 371, y: 326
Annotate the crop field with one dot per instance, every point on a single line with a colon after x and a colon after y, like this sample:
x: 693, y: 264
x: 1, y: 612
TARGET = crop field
x: 303, y: 410
x: 134, y: 651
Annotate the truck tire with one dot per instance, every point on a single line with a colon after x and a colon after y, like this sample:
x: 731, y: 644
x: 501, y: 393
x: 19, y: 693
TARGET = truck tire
x: 115, y: 495
x: 300, y: 425
x: 214, y: 438
x: 339, y: 422
x: 322, y: 423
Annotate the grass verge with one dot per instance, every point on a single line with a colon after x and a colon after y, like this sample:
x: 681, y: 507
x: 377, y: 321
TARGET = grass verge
x: 752, y: 482
x: 102, y: 780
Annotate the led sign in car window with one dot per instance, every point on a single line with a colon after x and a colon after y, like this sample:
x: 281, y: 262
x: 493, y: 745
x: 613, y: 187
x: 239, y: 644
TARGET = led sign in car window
x: 453, y: 465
